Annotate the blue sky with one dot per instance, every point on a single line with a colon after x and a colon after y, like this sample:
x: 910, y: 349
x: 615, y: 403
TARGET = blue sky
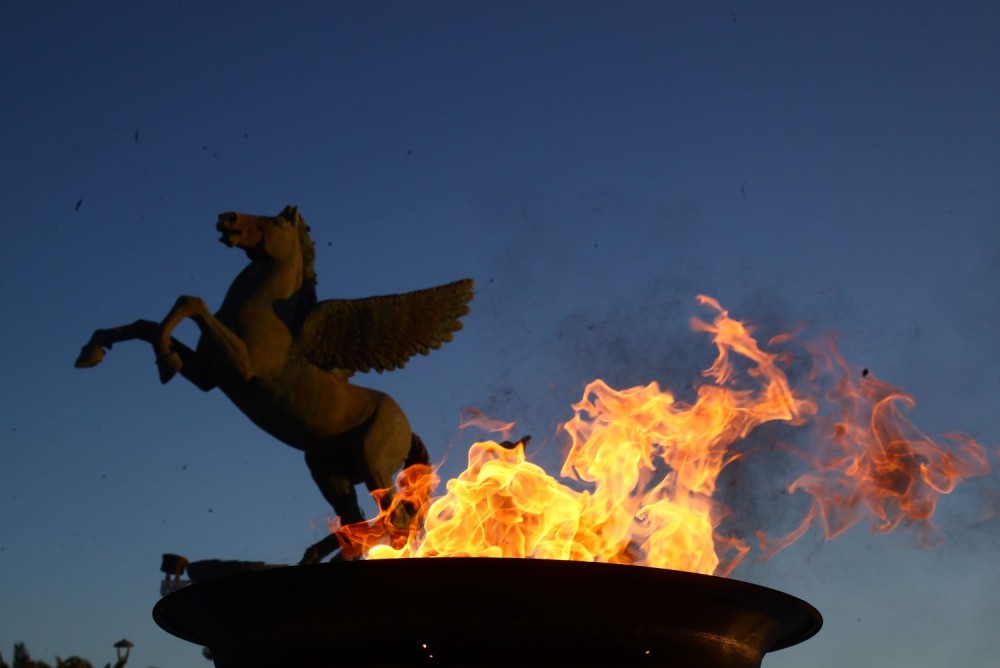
x: 592, y: 166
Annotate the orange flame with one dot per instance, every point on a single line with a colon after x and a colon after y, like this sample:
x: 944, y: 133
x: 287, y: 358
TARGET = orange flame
x: 646, y: 466
x: 473, y: 417
x: 872, y: 462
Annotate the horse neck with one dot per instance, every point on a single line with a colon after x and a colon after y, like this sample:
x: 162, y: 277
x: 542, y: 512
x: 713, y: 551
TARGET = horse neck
x: 264, y: 282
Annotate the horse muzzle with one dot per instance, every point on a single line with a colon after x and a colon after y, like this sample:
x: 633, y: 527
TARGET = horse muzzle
x: 230, y: 228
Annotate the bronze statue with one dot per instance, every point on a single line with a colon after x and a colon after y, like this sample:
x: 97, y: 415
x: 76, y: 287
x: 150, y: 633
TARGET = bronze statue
x: 284, y: 358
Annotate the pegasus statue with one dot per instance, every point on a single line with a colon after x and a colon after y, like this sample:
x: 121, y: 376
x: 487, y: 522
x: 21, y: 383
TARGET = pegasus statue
x: 285, y: 359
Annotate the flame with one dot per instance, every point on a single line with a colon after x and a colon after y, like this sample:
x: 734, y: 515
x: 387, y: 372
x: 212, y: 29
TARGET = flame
x: 473, y: 417
x: 871, y: 463
x: 642, y: 468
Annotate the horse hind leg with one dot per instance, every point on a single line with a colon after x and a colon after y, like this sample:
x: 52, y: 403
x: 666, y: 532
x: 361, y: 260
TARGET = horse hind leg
x: 383, y: 482
x: 349, y: 512
x: 418, y: 452
x: 339, y: 492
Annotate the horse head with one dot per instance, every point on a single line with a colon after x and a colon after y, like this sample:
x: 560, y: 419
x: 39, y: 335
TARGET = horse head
x: 283, y: 238
x: 275, y: 237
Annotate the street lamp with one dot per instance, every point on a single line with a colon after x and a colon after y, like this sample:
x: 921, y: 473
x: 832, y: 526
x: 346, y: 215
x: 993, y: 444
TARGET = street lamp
x: 122, y: 644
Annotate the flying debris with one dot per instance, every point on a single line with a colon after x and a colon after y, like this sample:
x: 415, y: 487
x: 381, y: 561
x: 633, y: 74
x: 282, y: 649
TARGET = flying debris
x: 521, y: 442
x: 137, y: 136
x: 79, y: 203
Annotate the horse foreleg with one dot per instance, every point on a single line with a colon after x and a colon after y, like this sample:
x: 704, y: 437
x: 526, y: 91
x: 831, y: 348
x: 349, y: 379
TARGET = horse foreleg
x: 93, y: 352
x: 169, y: 361
x: 142, y: 330
x: 192, y: 368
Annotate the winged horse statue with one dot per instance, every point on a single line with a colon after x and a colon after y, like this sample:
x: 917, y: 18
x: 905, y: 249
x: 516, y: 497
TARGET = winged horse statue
x: 285, y: 358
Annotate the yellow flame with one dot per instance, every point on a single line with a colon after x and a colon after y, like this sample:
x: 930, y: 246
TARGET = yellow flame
x: 645, y: 466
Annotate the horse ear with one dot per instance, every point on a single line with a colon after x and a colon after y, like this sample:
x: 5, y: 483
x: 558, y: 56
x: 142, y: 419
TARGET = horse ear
x: 289, y: 213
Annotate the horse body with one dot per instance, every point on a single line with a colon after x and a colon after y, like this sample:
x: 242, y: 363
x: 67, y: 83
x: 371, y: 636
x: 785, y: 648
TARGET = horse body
x: 294, y: 401
x: 282, y: 392
x: 250, y: 349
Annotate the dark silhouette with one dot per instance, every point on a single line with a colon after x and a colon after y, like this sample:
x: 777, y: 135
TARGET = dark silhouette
x: 22, y: 658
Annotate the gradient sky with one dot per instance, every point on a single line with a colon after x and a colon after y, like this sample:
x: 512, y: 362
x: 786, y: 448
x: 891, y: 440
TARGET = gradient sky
x: 593, y: 166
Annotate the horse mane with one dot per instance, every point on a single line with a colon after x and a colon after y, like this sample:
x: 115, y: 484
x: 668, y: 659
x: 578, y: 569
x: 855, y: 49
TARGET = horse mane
x: 307, y: 293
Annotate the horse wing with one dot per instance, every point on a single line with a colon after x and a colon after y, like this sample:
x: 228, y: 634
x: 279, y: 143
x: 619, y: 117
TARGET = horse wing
x: 382, y: 333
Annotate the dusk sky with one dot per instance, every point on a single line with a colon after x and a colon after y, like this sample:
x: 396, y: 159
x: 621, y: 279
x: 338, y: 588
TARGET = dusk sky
x: 593, y: 166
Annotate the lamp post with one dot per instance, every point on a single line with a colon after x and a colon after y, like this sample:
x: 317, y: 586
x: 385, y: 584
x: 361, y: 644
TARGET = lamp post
x: 123, y: 644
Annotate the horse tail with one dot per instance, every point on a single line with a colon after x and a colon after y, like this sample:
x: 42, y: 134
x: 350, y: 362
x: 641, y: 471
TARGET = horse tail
x: 418, y: 452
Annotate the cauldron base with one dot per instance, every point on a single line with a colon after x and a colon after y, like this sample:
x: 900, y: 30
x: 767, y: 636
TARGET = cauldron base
x: 483, y: 612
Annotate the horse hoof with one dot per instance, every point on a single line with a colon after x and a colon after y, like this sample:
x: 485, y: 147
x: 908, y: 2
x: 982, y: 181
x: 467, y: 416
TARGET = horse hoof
x: 168, y: 365
x: 90, y: 355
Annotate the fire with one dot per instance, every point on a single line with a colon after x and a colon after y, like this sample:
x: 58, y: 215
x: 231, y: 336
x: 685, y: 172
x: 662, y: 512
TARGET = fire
x: 642, y: 468
x: 873, y: 464
x: 473, y: 417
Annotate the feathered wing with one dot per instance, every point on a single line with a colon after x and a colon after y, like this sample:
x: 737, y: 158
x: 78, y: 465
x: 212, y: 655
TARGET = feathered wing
x: 382, y: 333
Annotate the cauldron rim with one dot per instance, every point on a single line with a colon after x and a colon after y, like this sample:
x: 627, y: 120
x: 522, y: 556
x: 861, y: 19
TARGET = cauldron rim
x: 350, y: 597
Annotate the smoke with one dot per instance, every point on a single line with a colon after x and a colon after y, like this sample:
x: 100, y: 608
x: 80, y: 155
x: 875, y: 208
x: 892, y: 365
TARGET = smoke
x: 638, y: 338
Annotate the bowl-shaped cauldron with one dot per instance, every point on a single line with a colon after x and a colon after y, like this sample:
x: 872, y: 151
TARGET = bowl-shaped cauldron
x: 484, y: 612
